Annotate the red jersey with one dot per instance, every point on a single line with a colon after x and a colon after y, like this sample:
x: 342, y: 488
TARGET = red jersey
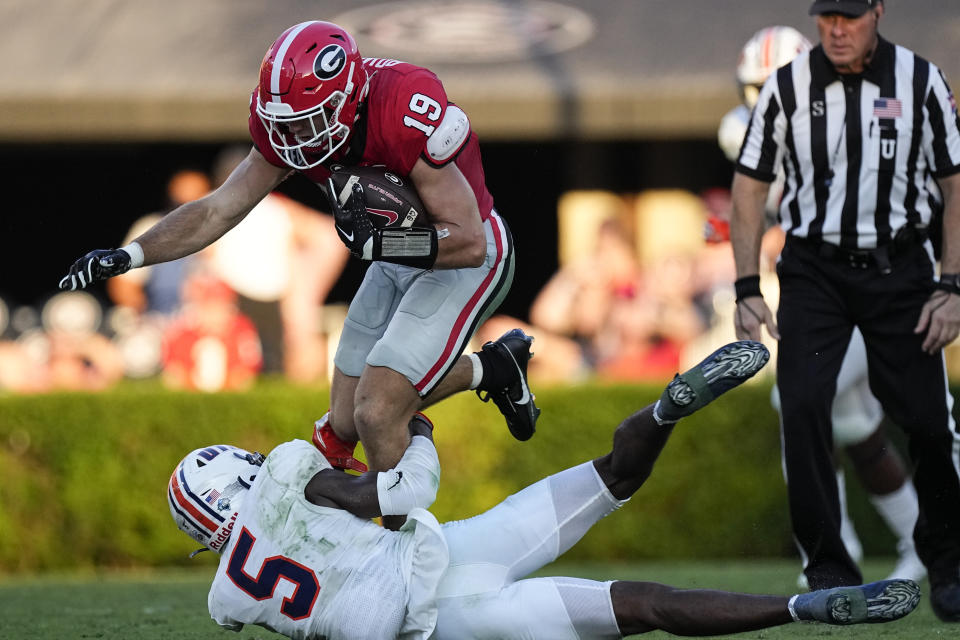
x: 405, y: 106
x: 213, y: 360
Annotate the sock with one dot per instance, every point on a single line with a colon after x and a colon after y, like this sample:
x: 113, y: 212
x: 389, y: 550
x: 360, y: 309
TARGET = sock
x: 810, y: 606
x: 489, y: 378
x: 656, y: 416
x: 477, y: 370
x: 899, y: 509
x: 792, y: 609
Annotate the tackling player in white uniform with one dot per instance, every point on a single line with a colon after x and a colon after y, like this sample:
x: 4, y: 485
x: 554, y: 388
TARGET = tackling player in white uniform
x: 300, y: 555
x: 856, y: 412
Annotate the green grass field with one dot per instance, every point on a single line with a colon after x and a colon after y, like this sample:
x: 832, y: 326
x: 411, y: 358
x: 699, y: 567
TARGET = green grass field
x: 167, y: 605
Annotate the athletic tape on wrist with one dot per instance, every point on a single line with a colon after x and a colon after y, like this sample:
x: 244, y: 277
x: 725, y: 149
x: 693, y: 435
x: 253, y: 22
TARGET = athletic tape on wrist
x: 136, y: 254
x: 413, y: 482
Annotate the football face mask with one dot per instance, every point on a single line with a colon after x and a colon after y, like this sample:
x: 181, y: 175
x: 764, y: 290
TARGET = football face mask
x: 312, y: 83
x: 206, y: 491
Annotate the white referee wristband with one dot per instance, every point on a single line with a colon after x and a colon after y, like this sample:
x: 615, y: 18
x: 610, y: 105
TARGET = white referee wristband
x: 136, y: 254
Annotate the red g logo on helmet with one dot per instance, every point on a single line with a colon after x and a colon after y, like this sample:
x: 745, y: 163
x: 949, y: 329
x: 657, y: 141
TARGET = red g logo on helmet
x: 329, y: 62
x: 312, y: 83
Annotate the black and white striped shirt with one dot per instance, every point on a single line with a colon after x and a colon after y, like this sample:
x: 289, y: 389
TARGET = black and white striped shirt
x: 858, y: 150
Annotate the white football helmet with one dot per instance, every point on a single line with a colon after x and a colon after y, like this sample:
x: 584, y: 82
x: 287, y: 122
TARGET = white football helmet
x: 766, y: 51
x: 206, y: 490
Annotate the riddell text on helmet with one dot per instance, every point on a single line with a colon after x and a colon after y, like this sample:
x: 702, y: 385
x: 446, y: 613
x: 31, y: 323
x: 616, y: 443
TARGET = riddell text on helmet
x: 223, y: 534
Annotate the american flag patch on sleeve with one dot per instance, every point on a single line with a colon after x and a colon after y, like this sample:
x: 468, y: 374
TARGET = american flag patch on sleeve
x: 887, y: 108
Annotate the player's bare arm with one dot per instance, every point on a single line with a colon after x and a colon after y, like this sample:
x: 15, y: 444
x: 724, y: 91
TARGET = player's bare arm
x: 452, y: 204
x: 185, y: 230
x: 749, y: 197
x: 940, y: 316
x: 340, y: 490
x: 195, y: 225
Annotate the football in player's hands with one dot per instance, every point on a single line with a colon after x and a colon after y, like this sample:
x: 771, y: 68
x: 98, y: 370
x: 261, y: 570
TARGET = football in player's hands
x: 391, y: 199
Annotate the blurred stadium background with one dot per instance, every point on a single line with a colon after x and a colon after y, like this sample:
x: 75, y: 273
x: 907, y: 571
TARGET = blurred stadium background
x: 586, y: 111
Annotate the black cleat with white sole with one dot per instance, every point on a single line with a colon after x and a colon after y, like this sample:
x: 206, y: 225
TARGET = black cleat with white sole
x: 721, y: 371
x: 881, y: 601
x: 509, y: 355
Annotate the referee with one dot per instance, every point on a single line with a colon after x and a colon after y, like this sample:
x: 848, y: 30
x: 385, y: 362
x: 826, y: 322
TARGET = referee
x: 865, y: 130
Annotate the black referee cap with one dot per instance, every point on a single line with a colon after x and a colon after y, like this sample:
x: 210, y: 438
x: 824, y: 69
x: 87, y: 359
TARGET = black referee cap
x: 846, y: 7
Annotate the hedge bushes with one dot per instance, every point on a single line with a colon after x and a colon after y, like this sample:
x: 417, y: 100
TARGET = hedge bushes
x: 83, y: 476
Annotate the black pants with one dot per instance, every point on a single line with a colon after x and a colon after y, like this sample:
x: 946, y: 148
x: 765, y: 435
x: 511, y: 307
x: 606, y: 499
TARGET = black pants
x: 821, y: 300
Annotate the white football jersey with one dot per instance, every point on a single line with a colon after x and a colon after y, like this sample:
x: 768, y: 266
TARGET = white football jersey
x: 314, y: 572
x: 733, y: 127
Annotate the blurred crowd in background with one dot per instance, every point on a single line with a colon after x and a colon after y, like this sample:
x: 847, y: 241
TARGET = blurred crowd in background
x: 644, y: 280
x: 251, y: 305
x: 643, y: 291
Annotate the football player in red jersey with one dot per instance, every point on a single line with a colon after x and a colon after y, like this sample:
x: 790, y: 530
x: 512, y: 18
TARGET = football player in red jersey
x: 319, y: 103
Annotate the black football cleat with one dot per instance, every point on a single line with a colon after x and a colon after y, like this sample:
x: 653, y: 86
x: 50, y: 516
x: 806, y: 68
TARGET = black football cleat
x: 721, y: 371
x: 510, y: 354
x: 881, y: 601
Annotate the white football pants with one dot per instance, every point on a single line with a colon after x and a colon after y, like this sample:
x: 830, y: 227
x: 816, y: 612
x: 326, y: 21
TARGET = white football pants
x: 483, y: 595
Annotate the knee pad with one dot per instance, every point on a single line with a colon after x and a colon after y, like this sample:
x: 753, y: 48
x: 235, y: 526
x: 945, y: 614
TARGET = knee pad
x: 856, y: 413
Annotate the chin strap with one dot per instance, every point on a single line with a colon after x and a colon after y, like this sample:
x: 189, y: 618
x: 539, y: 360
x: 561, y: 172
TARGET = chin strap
x: 198, y: 551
